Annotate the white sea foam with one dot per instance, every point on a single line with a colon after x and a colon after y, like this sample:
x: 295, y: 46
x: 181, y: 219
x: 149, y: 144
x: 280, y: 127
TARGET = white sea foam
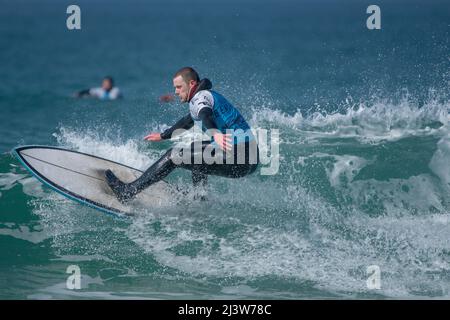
x: 24, y: 233
x: 382, y: 121
x: 440, y: 162
x: 91, y: 142
x: 9, y: 180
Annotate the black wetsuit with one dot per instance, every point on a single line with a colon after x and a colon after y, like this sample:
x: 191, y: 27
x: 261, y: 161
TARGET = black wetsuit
x: 242, y: 165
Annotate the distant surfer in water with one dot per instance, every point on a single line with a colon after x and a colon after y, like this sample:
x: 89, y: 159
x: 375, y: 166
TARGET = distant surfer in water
x: 230, y: 139
x: 106, y: 92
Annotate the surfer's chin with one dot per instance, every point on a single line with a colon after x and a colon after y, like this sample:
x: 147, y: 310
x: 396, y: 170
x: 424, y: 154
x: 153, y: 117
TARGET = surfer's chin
x: 182, y: 99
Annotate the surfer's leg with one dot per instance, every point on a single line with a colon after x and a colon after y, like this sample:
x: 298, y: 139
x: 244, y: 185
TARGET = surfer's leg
x: 161, y: 168
x: 126, y: 191
x: 222, y: 167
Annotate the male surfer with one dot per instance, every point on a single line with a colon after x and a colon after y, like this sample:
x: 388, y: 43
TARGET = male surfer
x: 106, y: 92
x: 230, y: 136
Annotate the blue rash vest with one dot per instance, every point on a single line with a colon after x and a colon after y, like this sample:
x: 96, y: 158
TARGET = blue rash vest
x: 226, y: 116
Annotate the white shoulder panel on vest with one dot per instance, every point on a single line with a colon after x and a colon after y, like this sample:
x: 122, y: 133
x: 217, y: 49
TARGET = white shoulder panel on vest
x: 114, y: 93
x: 202, y: 99
x: 96, y: 92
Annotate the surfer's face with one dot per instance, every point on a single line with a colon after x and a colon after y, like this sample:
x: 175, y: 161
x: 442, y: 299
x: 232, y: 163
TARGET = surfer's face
x: 182, y: 88
x: 106, y: 85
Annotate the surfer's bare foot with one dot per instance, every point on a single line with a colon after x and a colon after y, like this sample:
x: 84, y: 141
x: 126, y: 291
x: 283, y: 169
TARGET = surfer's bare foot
x: 118, y: 187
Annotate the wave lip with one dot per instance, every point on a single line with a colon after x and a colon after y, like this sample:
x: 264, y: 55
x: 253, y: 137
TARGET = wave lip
x: 381, y: 121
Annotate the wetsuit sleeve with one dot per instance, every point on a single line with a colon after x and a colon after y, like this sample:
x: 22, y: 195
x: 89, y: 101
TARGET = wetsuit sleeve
x: 207, y: 119
x: 184, y: 123
x: 83, y: 93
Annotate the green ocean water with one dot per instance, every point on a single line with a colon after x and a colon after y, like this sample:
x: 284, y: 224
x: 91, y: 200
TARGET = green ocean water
x: 364, y: 128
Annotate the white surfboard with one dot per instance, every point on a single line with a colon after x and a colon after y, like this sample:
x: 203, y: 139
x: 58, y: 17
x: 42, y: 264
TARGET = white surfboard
x: 80, y: 177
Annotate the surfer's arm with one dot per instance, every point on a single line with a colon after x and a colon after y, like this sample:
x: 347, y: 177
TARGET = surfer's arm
x: 83, y: 93
x: 184, y: 123
x: 92, y: 92
x: 207, y: 118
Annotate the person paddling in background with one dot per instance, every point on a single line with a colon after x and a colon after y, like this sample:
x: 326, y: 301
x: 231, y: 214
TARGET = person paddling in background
x: 106, y: 92
x: 215, y: 115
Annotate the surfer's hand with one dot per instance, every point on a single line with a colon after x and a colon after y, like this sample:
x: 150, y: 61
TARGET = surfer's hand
x: 223, y: 140
x: 166, y: 98
x: 153, y: 137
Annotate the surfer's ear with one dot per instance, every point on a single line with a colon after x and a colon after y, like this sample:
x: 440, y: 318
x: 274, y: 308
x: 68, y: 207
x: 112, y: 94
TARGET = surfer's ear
x: 192, y: 83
